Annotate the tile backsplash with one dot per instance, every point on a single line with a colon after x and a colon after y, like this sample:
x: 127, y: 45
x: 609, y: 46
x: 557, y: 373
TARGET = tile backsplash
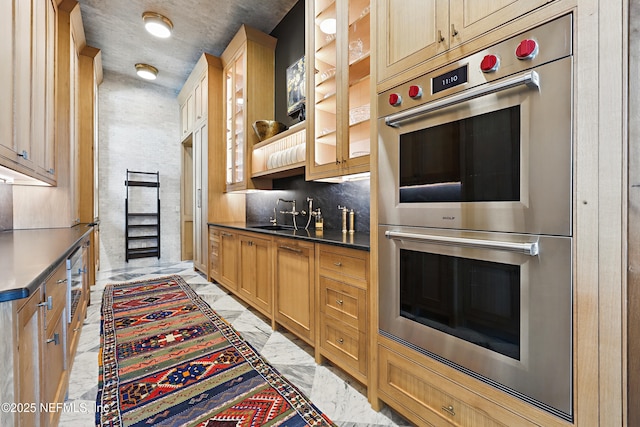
x: 354, y: 195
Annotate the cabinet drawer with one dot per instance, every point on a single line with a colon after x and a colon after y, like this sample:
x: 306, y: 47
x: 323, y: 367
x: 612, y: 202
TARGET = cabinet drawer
x: 343, y: 302
x: 56, y: 288
x: 349, y: 265
x: 425, y: 396
x: 346, y: 343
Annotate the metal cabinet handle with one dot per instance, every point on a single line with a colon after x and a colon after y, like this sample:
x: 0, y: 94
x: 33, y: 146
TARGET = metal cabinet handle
x: 289, y: 248
x: 55, y: 340
x: 60, y: 281
x: 340, y: 341
x: 440, y: 37
x: 531, y: 249
x: 337, y: 264
x: 454, y: 32
x: 24, y: 155
x: 227, y: 234
x: 530, y: 79
x: 48, y: 303
x: 449, y: 410
x: 339, y: 302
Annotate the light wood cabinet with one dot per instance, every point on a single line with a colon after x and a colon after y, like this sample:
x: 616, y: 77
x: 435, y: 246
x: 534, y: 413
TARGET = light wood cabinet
x: 42, y: 366
x: 339, y: 76
x: 295, y: 302
x: 202, y: 181
x: 416, y: 386
x: 186, y: 116
x: 343, y: 280
x: 214, y: 253
x: 27, y: 358
x: 200, y: 186
x: 27, y: 127
x: 409, y: 32
x: 255, y: 281
x: 229, y: 259
x: 249, y: 62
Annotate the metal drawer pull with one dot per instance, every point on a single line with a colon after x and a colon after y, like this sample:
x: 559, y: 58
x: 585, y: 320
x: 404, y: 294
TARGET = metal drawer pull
x: 339, y: 301
x: 340, y: 340
x: 55, y: 340
x: 449, y: 409
x: 289, y: 248
x: 337, y: 264
x: 530, y: 79
x: 61, y: 281
x: 227, y: 234
x: 48, y: 303
x: 526, y: 248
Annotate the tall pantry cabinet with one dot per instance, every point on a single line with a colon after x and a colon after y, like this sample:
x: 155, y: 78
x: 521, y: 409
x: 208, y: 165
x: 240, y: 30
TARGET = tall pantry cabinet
x: 203, y: 186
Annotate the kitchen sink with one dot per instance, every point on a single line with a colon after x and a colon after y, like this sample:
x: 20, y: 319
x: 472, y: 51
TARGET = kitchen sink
x: 273, y: 227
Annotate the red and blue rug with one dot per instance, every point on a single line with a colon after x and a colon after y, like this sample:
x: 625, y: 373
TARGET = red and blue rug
x: 167, y: 359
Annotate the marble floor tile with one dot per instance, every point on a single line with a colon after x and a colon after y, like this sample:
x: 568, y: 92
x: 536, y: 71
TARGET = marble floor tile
x: 335, y: 393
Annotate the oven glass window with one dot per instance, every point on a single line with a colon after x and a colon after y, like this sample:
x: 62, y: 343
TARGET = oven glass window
x: 470, y: 160
x: 477, y: 301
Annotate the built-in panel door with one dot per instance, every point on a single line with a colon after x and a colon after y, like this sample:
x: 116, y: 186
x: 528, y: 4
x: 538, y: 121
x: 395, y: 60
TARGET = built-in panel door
x: 409, y: 32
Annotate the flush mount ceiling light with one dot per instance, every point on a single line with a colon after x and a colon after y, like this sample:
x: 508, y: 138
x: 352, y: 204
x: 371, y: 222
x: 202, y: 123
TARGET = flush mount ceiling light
x: 158, y: 25
x: 328, y: 26
x: 146, y: 71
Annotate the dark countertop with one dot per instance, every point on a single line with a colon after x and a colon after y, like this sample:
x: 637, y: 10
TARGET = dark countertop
x: 27, y: 257
x: 357, y: 240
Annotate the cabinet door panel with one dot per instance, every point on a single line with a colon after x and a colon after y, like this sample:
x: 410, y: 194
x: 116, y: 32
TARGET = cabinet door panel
x: 229, y: 252
x: 410, y: 32
x: 471, y: 18
x: 6, y: 81
x: 295, y: 296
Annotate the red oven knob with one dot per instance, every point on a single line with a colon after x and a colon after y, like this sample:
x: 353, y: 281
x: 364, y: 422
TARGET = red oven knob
x: 527, y: 49
x: 415, y: 91
x: 395, y: 99
x: 489, y: 63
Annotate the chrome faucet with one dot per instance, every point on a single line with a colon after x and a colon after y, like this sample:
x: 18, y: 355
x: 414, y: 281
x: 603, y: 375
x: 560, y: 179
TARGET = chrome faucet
x: 292, y: 212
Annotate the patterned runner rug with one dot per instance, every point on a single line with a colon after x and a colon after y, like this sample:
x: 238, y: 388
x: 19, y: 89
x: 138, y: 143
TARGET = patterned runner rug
x: 166, y: 358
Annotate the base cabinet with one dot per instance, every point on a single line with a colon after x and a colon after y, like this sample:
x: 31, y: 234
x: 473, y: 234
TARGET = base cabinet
x: 294, y: 287
x: 229, y: 259
x: 45, y: 344
x: 343, y: 281
x: 428, y: 393
x: 255, y: 272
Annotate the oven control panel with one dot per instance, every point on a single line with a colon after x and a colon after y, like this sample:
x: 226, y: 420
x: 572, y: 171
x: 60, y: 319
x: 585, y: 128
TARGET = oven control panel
x: 540, y: 45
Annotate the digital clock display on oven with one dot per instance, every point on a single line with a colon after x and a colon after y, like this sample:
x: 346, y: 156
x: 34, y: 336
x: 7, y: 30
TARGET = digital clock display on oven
x: 449, y: 80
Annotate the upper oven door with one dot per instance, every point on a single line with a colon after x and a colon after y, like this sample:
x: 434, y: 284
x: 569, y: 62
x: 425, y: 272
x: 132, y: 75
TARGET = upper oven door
x: 494, y: 157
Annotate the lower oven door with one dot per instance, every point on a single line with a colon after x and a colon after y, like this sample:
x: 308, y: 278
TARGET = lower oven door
x: 496, y: 306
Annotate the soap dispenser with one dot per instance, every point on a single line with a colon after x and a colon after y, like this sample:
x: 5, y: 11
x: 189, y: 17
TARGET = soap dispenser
x: 319, y: 220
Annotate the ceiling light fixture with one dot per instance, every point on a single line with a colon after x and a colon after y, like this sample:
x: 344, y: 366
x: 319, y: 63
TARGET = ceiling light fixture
x: 158, y: 25
x: 328, y: 26
x: 146, y: 71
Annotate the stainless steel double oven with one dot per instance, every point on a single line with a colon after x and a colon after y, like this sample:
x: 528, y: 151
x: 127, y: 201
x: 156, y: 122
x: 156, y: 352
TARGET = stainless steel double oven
x: 475, y: 206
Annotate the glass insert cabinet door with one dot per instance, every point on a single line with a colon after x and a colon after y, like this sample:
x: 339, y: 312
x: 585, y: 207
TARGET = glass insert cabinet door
x: 234, y: 114
x: 341, y: 84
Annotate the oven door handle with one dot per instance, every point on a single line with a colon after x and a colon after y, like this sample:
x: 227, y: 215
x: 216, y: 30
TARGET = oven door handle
x: 530, y: 79
x: 531, y: 248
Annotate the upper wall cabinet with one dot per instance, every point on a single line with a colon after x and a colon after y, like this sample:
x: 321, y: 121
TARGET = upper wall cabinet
x: 249, y: 62
x: 339, y: 75
x: 28, y: 39
x: 413, y: 31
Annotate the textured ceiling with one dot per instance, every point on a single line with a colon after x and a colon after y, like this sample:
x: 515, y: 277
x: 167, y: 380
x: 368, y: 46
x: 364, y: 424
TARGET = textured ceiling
x: 115, y: 27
